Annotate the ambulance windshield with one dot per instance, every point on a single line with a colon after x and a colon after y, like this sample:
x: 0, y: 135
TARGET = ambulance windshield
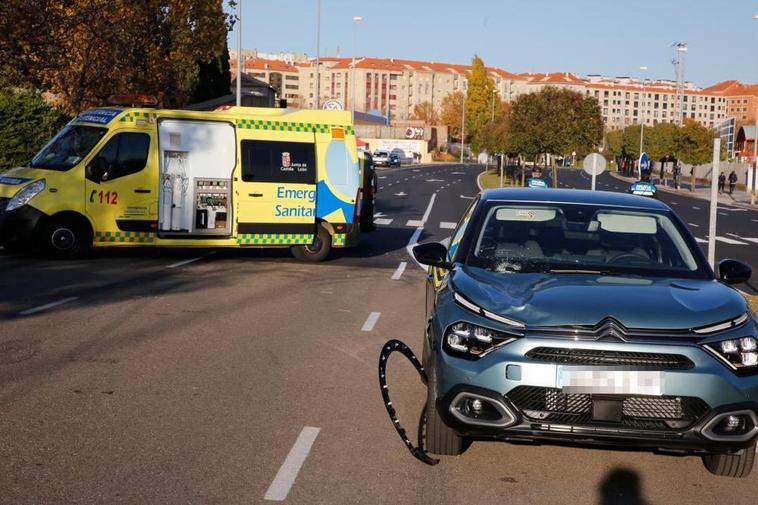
x: 68, y: 147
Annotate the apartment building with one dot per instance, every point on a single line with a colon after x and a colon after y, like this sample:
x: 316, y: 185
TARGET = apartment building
x: 395, y: 86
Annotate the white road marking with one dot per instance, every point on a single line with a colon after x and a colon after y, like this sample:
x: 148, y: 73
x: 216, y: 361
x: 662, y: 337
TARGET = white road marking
x: 729, y: 240
x: 723, y: 214
x: 754, y: 220
x: 674, y: 203
x: 471, y: 198
x: 379, y: 214
x: 382, y: 176
x: 700, y: 241
x: 435, y: 180
x: 694, y: 225
x: 416, y: 234
x: 187, y: 262
x: 749, y: 239
x: 42, y: 308
x: 399, y: 272
x: 371, y: 321
x: 381, y: 187
x: 382, y: 221
x: 696, y: 208
x: 401, y: 194
x: 457, y: 173
x: 414, y: 223
x: 285, y: 477
x: 447, y: 225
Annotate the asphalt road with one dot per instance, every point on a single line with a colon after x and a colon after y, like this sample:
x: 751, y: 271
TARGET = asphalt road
x: 227, y: 377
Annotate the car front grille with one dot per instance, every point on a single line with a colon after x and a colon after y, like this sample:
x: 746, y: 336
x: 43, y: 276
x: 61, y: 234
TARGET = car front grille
x: 657, y: 413
x: 3, y: 203
x: 592, y: 357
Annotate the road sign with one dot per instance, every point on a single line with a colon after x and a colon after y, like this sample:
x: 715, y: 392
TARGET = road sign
x: 594, y: 164
x: 644, y: 164
x: 333, y: 105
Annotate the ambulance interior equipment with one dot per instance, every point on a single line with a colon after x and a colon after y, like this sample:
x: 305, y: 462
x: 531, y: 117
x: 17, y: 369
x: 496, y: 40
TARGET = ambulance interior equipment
x: 196, y: 163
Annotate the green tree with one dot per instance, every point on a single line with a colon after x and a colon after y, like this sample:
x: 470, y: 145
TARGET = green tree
x: 696, y: 143
x: 452, y: 108
x: 27, y: 122
x: 82, y: 51
x: 554, y: 121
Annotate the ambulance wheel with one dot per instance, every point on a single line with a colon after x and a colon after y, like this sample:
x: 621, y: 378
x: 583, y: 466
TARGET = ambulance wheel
x: 65, y: 237
x: 318, y: 250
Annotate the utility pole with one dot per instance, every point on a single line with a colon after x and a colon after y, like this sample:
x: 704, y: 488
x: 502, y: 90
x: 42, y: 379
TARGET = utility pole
x: 318, y: 54
x: 238, y: 26
x: 678, y: 61
x: 356, y: 20
x: 463, y: 123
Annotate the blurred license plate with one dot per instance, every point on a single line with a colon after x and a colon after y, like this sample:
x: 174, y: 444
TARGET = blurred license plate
x: 619, y: 382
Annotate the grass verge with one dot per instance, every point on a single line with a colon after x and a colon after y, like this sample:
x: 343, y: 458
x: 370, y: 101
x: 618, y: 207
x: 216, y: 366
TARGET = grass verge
x: 491, y: 179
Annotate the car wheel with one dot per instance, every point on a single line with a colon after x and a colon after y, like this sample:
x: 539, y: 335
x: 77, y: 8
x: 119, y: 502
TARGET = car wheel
x: 731, y: 465
x: 440, y: 439
x: 318, y: 250
x: 65, y: 238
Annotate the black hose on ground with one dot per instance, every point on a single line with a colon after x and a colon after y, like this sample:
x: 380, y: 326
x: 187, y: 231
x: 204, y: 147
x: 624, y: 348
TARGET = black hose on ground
x: 398, y: 346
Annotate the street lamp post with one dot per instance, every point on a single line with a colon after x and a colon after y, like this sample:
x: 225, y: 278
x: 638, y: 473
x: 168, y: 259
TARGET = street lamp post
x: 356, y: 20
x: 238, y: 26
x: 463, y: 123
x: 318, y: 54
x: 642, y: 121
x: 755, y: 147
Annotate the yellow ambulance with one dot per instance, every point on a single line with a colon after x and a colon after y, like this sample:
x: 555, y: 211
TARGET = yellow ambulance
x: 237, y: 177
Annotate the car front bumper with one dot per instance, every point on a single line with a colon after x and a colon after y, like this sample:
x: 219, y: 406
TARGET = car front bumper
x: 17, y: 226
x: 680, y: 418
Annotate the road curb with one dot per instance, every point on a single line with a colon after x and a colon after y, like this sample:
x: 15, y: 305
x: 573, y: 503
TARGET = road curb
x: 688, y: 194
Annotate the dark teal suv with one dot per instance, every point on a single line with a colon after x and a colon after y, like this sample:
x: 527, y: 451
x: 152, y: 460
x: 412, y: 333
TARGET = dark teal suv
x: 592, y: 318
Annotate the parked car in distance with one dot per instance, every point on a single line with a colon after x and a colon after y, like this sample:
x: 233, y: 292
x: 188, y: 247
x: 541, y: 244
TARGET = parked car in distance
x: 386, y: 159
x: 588, y: 317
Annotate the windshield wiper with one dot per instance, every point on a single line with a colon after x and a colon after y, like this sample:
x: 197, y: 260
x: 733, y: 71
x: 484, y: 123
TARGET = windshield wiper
x: 588, y: 271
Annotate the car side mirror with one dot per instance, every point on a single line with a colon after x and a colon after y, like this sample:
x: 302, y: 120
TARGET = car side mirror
x: 432, y: 254
x: 97, y: 169
x: 734, y: 272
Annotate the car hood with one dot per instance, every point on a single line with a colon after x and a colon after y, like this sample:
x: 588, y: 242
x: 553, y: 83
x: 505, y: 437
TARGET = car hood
x: 16, y: 178
x: 539, y: 299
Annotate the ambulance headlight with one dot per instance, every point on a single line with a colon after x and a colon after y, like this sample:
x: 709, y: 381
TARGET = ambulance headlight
x: 25, y: 195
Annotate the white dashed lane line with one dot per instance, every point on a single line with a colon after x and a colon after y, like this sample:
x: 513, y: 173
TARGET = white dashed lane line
x: 696, y: 208
x: 285, y: 477
x: 371, y: 321
x: 381, y: 221
x: 414, y: 223
x: 694, y: 225
x: 399, y: 272
x: 447, y: 225
x: 48, y: 306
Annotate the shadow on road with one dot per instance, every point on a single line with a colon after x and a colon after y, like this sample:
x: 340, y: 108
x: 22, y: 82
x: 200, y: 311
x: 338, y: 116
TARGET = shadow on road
x: 621, y: 487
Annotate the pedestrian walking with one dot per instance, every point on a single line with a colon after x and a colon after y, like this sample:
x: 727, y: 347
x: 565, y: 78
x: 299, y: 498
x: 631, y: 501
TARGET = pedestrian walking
x: 732, y: 181
x: 722, y: 182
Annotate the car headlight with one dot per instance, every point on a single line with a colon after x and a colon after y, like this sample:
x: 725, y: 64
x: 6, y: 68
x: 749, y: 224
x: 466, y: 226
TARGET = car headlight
x: 25, y: 195
x: 741, y: 354
x: 470, y: 341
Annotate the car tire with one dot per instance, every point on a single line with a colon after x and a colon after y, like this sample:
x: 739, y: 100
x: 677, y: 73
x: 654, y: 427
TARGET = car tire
x: 316, y: 251
x: 65, y: 238
x: 731, y: 465
x: 439, y: 438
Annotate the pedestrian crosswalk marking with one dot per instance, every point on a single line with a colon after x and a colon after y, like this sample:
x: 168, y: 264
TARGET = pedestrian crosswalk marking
x: 381, y: 221
x: 414, y: 223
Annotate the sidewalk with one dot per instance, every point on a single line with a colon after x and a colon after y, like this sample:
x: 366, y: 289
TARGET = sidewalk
x: 738, y: 199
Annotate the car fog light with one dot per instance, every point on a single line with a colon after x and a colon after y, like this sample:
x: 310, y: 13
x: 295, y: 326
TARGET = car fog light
x: 732, y: 423
x: 476, y: 406
x: 729, y: 346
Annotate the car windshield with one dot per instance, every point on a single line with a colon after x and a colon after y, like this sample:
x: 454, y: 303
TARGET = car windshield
x: 68, y: 147
x: 568, y: 238
x: 381, y: 153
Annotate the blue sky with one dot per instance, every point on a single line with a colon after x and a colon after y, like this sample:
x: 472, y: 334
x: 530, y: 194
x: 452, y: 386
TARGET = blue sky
x: 611, y: 37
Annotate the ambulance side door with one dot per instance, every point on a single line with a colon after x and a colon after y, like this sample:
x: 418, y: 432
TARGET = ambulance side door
x: 276, y: 189
x: 121, y: 183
